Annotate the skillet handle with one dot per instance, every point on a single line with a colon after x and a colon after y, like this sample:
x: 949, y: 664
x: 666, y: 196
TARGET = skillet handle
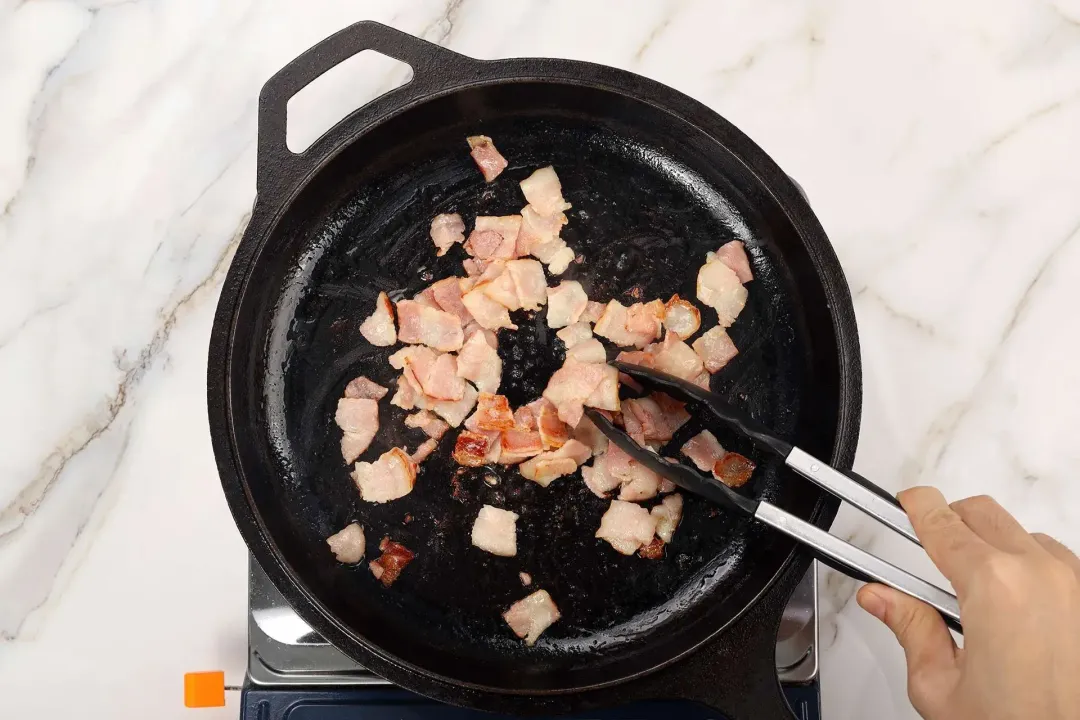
x: 279, y: 167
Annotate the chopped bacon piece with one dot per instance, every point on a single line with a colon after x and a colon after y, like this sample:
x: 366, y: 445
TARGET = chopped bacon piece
x: 626, y: 526
x: 432, y: 426
x: 395, y: 556
x: 473, y: 267
x: 419, y: 324
x: 668, y: 514
x: 589, y: 351
x: 719, y: 287
x: 593, y: 311
x: 652, y: 551
x: 519, y: 444
x: 612, y: 324
x: 526, y: 578
x: 502, y: 289
x: 494, y: 237
x: 447, y: 229
x: 597, y: 478
x: 390, y: 477
x: 544, y: 192
x: 566, y: 302
x: 734, y: 469
x: 677, y: 358
x: 540, y: 232
x: 715, y: 348
x: 531, y: 616
x: 447, y: 294
x: 553, y: 432
x: 733, y: 254
x: 704, y: 450
x: 681, y: 318
x: 590, y: 435
x: 406, y: 396
x: 576, y: 384
x: 487, y: 312
x: 495, y: 531
x: 378, y: 328
x: 525, y: 418
x: 493, y: 412
x: 358, y: 419
x: 575, y: 333
x: 638, y: 482
x: 426, y: 298
x: 529, y: 283
x: 478, y: 361
x: 348, y: 544
x: 487, y: 158
x: 362, y: 388
x: 645, y: 321
x: 426, y: 448
x: 547, y: 466
x: 658, y: 416
x: 455, y: 411
x: 471, y: 448
x: 435, y: 373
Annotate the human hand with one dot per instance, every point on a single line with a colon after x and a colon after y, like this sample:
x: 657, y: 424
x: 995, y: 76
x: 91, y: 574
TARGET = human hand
x: 1019, y: 599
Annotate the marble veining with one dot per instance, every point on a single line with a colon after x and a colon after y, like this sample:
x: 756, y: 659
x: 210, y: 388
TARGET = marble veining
x: 936, y: 141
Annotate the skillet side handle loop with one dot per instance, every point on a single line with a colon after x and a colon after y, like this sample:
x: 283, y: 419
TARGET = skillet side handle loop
x: 430, y: 63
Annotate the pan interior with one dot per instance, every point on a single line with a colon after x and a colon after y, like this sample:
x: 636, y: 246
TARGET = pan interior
x: 651, y: 195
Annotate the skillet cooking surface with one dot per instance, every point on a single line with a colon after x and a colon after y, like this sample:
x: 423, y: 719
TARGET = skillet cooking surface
x: 650, y: 197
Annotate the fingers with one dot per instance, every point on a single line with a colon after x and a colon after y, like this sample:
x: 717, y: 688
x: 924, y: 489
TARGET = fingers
x: 928, y: 646
x: 951, y: 544
x: 1059, y: 551
x: 993, y: 523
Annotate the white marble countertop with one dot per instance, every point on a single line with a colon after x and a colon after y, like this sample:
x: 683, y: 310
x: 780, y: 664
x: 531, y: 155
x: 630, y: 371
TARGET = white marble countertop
x: 938, y: 143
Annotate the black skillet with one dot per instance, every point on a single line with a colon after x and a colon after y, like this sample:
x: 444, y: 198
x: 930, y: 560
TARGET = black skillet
x: 656, y: 180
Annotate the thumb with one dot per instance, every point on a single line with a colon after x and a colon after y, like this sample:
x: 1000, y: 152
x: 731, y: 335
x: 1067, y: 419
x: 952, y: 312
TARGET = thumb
x: 922, y: 633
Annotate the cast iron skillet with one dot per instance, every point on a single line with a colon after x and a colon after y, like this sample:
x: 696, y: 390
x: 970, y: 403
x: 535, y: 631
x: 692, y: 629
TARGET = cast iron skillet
x: 656, y: 180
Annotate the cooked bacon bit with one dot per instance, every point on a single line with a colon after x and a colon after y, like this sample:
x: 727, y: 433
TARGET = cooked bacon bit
x: 526, y: 578
x: 390, y: 477
x: 576, y: 384
x: 543, y: 191
x: 455, y: 411
x: 656, y: 417
x: 437, y: 329
x: 546, y: 467
x: 719, y: 287
x: 493, y: 412
x: 517, y: 445
x: 704, y: 450
x: 652, y: 551
x: 348, y: 544
x: 362, y: 388
x: 593, y: 311
x: 486, y: 157
x: 487, y: 312
x: 525, y: 418
x: 668, y: 514
x: 566, y: 302
x: 491, y: 480
x: 471, y: 448
x: 626, y: 526
x: 446, y: 230
x: 529, y: 283
x: 478, y: 361
x: 432, y: 426
x: 495, y: 531
x: 645, y: 321
x: 553, y: 432
x: 715, y: 348
x: 387, y: 568
x: 681, y: 317
x: 733, y: 254
x: 447, y: 294
x: 531, y: 616
x: 424, y: 450
x: 675, y: 357
x: 734, y: 469
x: 358, y: 419
x: 588, y: 351
x: 575, y: 333
x: 540, y: 232
x: 378, y: 328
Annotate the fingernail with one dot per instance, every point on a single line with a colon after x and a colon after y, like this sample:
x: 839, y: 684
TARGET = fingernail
x: 873, y: 603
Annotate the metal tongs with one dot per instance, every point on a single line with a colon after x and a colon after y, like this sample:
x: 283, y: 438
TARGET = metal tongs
x: 829, y: 549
